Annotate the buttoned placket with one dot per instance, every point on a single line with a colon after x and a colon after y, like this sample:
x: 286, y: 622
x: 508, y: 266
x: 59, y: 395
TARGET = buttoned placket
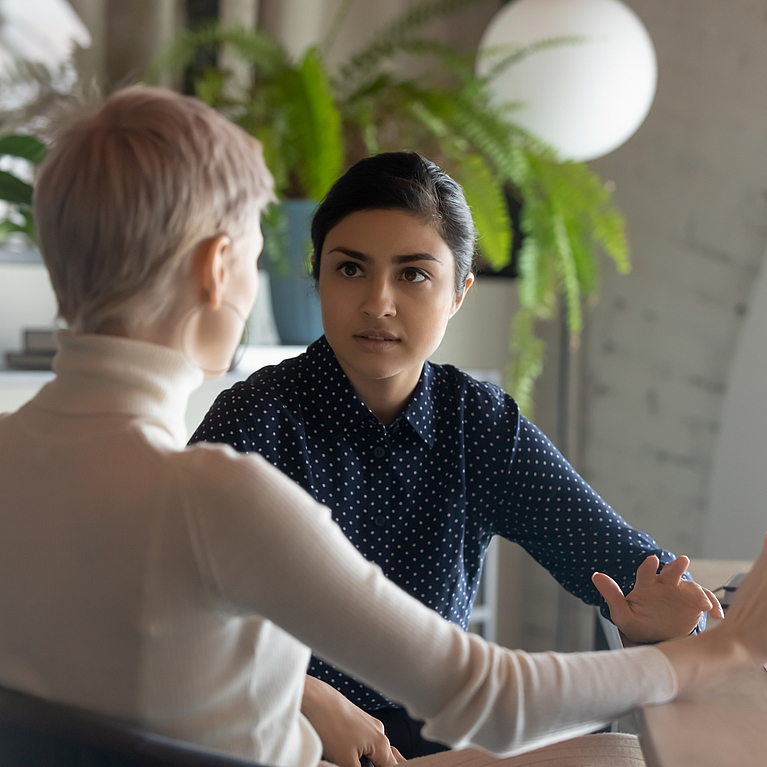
x: 380, y: 477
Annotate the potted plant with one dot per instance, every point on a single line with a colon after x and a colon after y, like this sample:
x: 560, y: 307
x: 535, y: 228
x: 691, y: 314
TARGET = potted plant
x: 313, y: 125
x: 15, y: 191
x: 291, y: 108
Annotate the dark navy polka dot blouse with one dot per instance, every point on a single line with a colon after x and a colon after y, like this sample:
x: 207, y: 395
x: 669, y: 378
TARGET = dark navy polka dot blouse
x: 423, y: 497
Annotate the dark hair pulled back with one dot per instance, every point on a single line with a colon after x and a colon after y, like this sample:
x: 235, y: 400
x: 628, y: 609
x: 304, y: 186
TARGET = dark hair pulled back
x: 401, y: 181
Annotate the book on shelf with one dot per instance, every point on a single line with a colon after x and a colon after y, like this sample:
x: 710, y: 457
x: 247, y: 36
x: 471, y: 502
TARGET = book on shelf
x: 38, y: 352
x: 28, y: 361
x: 40, y: 341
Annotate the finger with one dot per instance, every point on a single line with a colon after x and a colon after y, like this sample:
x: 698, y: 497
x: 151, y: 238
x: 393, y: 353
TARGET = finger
x: 672, y: 572
x: 611, y: 592
x: 695, y: 595
x: 384, y: 758
x: 349, y: 759
x: 381, y: 753
x: 716, y: 611
x: 646, y: 572
x: 398, y: 756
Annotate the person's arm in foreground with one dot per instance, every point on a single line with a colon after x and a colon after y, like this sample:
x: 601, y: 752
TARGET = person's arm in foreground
x: 346, y: 731
x: 284, y: 559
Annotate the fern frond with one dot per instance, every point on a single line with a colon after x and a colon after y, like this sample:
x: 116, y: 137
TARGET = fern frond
x: 586, y: 262
x: 488, y: 209
x: 526, y: 363
x: 253, y: 46
x: 317, y: 127
x: 386, y: 43
x: 491, y: 136
x: 528, y: 266
x: 511, y: 54
x: 336, y: 25
x: 569, y: 276
x: 610, y: 231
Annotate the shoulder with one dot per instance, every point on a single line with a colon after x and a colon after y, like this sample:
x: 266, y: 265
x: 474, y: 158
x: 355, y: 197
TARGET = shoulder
x: 477, y: 400
x: 272, y: 384
x: 269, y: 394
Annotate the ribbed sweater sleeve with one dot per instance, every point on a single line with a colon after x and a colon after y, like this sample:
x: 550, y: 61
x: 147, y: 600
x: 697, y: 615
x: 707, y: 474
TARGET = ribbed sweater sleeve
x: 267, y: 548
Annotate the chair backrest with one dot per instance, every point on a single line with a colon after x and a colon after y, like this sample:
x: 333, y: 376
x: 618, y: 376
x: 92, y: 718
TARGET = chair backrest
x: 37, y: 732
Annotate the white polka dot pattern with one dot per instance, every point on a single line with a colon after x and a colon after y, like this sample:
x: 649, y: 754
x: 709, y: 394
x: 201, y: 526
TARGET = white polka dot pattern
x: 423, y: 497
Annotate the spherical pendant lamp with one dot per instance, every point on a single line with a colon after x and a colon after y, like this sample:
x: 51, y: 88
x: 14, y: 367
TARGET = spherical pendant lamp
x: 587, y: 97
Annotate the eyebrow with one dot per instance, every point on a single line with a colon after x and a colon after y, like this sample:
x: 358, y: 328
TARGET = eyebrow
x: 403, y: 259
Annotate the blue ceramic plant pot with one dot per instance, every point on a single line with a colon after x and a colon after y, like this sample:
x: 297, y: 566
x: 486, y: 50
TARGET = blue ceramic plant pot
x: 287, y: 247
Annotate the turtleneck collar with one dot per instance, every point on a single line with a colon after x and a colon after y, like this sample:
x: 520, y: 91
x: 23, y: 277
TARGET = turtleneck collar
x: 100, y: 374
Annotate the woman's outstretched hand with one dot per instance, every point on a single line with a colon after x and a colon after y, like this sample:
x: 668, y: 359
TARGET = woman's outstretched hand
x: 661, y: 605
x: 736, y: 644
x: 346, y: 731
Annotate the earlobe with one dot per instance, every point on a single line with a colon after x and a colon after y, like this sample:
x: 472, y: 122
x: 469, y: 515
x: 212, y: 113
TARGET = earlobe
x: 459, y: 298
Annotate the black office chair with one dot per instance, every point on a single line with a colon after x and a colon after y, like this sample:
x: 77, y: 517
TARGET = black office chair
x: 37, y: 733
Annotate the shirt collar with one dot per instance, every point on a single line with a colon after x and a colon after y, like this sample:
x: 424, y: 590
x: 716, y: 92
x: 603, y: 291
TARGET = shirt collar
x: 329, y: 390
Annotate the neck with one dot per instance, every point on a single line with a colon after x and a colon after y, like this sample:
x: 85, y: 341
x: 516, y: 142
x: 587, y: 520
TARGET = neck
x: 386, y: 398
x: 385, y: 409
x: 165, y: 330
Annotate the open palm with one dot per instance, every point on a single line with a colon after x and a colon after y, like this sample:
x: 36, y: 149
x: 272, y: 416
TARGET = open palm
x: 661, y: 605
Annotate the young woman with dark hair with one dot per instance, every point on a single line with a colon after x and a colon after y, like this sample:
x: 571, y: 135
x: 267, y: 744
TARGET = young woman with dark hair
x: 419, y: 463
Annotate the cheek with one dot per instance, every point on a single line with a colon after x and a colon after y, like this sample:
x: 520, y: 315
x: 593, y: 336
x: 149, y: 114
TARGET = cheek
x: 432, y: 318
x: 334, y: 311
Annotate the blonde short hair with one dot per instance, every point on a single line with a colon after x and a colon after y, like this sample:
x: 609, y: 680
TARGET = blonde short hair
x: 128, y: 191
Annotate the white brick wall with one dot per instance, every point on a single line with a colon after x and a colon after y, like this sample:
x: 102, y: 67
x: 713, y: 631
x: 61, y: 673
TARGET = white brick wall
x: 692, y: 184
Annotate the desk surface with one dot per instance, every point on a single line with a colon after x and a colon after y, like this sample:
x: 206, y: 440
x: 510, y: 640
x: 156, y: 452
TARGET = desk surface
x: 725, y: 724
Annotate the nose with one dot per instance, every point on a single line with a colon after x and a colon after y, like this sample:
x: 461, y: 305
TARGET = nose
x: 379, y: 299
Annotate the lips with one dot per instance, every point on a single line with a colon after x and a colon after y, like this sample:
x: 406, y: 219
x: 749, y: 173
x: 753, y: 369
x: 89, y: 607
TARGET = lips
x: 376, y: 335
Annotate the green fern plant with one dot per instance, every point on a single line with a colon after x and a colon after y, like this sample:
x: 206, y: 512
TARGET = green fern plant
x: 313, y: 125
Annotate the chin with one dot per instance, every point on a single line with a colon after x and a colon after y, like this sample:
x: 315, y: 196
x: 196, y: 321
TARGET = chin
x: 376, y: 372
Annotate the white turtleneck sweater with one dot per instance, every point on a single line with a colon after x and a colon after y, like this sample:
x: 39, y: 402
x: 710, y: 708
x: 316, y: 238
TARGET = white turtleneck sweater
x: 180, y: 588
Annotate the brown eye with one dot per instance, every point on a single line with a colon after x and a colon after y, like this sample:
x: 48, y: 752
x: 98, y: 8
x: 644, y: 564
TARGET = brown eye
x: 413, y: 275
x: 349, y: 270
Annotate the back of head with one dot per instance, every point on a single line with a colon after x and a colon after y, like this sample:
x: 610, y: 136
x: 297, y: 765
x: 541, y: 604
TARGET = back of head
x: 401, y: 181
x: 127, y: 192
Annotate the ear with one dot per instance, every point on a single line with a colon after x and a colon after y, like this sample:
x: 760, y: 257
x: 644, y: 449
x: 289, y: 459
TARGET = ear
x: 212, y: 269
x: 460, y: 296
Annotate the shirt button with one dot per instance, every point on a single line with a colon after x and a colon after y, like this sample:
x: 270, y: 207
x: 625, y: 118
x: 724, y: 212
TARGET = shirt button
x: 380, y: 520
x: 379, y: 452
